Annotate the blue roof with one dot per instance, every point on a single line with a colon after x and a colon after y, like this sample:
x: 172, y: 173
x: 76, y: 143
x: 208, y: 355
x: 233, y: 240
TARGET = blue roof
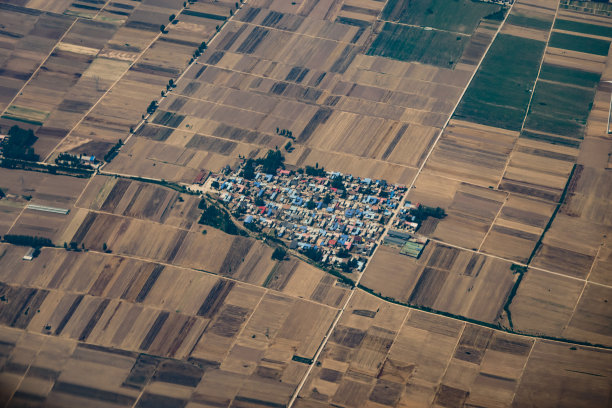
x: 248, y: 219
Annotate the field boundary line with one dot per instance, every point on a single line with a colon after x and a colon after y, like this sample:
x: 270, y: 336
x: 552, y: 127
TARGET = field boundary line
x: 520, y: 379
x: 187, y: 268
x: 16, y: 219
x: 586, y: 282
x: 493, y: 222
x: 450, y: 360
x: 42, y: 343
x: 566, y: 325
x: 424, y: 27
x: 292, y: 32
x: 76, y: 18
x: 535, y: 84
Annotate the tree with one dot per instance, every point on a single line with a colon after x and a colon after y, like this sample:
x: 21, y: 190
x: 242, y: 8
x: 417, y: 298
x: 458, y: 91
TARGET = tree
x: 248, y: 171
x: 65, y: 246
x: 279, y: 254
x: 152, y: 107
x: 104, y: 247
x: 337, y: 183
x: 343, y: 253
x: 27, y: 240
x: 172, y: 17
x: 327, y: 199
x: 314, y: 253
x: 162, y: 28
x: 273, y: 160
x: 2, y: 195
x: 18, y: 144
x: 288, y: 146
x: 311, y: 205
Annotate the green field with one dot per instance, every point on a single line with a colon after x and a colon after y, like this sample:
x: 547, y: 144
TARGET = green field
x: 500, y: 91
x: 522, y: 20
x: 585, y: 28
x: 460, y: 16
x: 569, y: 76
x: 560, y: 109
x: 581, y: 44
x: 406, y: 43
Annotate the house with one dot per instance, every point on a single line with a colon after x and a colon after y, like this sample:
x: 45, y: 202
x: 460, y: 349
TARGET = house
x: 29, y: 255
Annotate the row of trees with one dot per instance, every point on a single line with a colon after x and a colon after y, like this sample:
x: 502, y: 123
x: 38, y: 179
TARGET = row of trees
x: 114, y: 151
x: 27, y: 240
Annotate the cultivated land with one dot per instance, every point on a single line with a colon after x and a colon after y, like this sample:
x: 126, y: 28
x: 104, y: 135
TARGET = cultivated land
x: 507, y: 305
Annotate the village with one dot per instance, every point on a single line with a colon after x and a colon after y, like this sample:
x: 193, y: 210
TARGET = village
x: 333, y: 218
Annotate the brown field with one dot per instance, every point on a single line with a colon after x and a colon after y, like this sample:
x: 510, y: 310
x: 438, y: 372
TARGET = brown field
x: 170, y: 334
x: 470, y: 209
x: 303, y: 69
x: 444, y: 278
x: 578, y: 232
x: 476, y: 154
x: 436, y: 361
x: 180, y: 314
x: 140, y: 200
x: 590, y: 321
x: 23, y: 188
x: 564, y: 376
x: 553, y: 296
x: 69, y: 95
x: 517, y: 228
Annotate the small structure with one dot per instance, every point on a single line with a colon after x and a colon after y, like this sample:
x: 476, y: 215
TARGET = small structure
x: 201, y: 177
x: 45, y: 208
x: 29, y: 255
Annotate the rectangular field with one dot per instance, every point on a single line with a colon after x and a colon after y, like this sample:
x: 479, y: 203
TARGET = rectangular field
x: 499, y: 94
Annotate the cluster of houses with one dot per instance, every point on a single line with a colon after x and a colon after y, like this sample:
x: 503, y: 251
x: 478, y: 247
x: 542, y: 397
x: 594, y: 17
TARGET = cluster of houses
x: 339, y: 215
x: 405, y: 220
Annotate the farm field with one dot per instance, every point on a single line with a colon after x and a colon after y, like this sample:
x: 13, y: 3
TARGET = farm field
x: 461, y: 16
x: 89, y: 51
x: 499, y: 94
x: 306, y: 69
x: 406, y: 43
x: 445, y: 279
x: 171, y: 334
x: 139, y: 305
x: 386, y: 355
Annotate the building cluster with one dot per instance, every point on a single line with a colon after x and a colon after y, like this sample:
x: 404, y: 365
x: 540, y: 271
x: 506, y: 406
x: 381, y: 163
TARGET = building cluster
x: 341, y: 217
x: 405, y: 219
